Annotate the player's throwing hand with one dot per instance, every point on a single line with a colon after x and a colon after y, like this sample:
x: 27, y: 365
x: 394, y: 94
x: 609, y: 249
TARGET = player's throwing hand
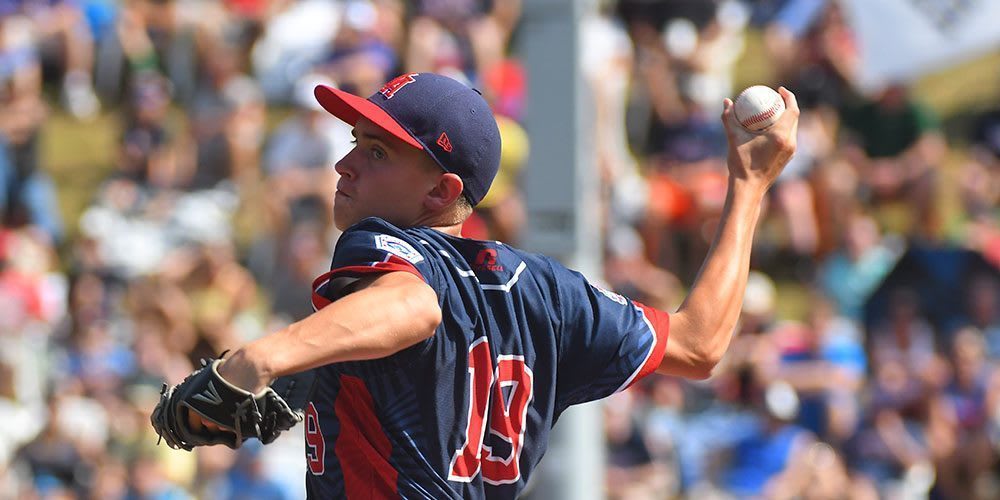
x: 760, y: 157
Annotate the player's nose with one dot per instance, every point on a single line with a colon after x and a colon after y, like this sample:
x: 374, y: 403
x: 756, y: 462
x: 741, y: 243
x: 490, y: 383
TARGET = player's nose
x: 344, y: 167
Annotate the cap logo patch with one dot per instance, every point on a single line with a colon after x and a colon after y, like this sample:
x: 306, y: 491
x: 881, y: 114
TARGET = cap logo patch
x: 444, y: 142
x: 389, y: 89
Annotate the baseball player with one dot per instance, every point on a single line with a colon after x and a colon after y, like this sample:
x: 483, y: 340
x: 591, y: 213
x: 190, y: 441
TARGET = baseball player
x: 442, y: 362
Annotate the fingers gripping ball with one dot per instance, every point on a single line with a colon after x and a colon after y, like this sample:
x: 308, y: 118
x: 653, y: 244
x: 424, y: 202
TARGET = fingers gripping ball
x: 758, y: 107
x: 225, y: 413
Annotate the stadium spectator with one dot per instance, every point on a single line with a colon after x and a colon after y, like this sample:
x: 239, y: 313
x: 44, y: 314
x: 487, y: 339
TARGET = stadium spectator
x: 825, y: 366
x: 297, y: 158
x: 864, y: 258
x: 984, y: 312
x: 962, y: 466
x: 632, y: 473
x: 815, y: 50
x: 27, y: 196
x: 773, y: 445
x: 897, y: 146
x: 148, y: 155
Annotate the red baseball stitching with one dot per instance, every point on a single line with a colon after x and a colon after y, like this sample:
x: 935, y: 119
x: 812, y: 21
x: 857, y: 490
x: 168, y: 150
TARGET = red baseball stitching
x: 759, y: 117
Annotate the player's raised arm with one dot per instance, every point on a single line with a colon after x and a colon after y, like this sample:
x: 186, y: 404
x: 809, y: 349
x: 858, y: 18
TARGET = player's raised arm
x: 702, y: 327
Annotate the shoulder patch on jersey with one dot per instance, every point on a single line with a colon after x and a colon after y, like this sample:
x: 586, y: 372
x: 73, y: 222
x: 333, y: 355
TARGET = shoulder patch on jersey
x: 398, y: 248
x: 611, y: 295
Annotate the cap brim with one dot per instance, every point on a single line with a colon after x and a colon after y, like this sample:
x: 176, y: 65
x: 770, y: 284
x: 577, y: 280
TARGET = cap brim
x: 349, y: 107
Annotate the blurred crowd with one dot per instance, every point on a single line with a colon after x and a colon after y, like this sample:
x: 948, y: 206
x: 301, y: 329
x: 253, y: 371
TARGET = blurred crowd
x: 866, y: 360
x: 865, y: 365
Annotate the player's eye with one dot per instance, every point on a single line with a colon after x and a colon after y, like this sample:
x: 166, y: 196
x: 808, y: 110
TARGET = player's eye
x: 378, y: 154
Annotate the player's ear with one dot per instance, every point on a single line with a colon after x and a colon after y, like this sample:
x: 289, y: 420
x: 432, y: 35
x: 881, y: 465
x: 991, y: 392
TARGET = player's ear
x: 448, y: 188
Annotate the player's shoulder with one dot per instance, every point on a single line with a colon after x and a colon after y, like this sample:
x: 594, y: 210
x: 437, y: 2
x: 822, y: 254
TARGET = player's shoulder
x: 487, y: 250
x: 379, y: 234
x: 416, y: 243
x: 543, y: 263
x: 566, y: 282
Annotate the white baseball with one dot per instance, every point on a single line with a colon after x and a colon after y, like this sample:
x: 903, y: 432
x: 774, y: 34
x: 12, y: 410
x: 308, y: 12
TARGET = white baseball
x: 758, y: 107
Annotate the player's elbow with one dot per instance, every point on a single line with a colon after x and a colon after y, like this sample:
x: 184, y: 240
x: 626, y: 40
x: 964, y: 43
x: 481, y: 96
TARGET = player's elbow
x: 701, y: 365
x: 712, y: 349
x: 706, y: 365
x: 689, y: 366
x: 699, y: 373
x: 697, y: 346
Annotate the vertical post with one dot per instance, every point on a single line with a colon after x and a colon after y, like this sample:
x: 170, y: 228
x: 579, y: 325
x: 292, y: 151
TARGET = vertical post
x: 561, y: 196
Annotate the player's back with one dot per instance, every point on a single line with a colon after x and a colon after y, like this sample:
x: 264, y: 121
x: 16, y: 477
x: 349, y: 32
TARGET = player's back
x: 466, y: 413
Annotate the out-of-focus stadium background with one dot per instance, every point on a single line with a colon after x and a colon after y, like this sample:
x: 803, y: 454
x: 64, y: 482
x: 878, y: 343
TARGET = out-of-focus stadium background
x: 165, y: 194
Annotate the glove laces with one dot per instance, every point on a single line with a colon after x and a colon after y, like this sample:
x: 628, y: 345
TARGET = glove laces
x: 247, y: 409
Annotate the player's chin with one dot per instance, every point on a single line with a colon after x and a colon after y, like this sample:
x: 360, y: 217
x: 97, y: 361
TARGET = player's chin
x: 345, y: 216
x: 342, y: 219
x: 342, y: 215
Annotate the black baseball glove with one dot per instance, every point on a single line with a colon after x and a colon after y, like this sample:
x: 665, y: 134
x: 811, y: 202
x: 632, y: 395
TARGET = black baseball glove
x: 240, y: 414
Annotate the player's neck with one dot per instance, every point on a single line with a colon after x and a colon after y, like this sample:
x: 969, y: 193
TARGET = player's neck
x: 454, y: 229
x: 446, y: 223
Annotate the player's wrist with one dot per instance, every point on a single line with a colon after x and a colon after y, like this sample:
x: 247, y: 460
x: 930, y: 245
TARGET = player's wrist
x: 245, y: 370
x: 752, y: 188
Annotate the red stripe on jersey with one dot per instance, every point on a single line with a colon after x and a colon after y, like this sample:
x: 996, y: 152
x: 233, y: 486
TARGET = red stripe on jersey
x: 661, y: 328
x: 362, y: 446
x: 393, y: 264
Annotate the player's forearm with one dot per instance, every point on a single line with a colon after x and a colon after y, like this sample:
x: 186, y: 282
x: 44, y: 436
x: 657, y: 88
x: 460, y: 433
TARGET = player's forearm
x: 704, y: 324
x: 372, y: 323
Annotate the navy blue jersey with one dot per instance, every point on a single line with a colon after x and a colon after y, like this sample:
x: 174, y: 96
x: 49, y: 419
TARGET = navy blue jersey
x: 467, y: 412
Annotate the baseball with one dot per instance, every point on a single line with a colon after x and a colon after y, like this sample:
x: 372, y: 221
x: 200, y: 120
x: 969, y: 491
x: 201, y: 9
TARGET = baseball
x: 758, y: 107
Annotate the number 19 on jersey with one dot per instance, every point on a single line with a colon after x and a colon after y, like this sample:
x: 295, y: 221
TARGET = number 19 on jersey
x: 507, y: 416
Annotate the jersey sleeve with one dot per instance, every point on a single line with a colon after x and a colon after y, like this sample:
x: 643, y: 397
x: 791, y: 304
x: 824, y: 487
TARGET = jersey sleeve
x: 607, y: 342
x: 371, y: 246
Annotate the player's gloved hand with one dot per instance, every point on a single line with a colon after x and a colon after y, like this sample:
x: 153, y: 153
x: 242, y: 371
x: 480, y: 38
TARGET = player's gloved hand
x: 230, y: 415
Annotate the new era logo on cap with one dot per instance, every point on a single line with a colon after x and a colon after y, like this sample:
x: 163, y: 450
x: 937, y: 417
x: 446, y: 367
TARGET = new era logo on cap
x: 444, y: 142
